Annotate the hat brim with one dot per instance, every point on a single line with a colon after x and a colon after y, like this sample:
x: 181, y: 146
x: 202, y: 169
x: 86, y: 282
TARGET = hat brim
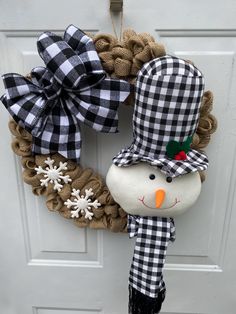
x: 196, y: 161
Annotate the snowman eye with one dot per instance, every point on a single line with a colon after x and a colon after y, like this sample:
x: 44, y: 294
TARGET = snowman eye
x: 152, y: 176
x: 169, y: 179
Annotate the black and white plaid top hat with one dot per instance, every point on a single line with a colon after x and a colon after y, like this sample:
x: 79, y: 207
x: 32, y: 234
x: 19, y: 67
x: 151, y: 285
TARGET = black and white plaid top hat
x: 167, y: 104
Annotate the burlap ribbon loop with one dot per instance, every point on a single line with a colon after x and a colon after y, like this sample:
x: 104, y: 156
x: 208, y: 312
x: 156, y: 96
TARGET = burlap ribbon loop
x: 124, y: 59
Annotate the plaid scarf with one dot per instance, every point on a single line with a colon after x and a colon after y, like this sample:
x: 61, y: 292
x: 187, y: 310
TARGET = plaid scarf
x: 72, y: 88
x: 153, y: 235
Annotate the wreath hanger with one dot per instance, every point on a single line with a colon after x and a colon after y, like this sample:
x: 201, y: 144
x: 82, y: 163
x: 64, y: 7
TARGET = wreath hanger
x: 116, y: 5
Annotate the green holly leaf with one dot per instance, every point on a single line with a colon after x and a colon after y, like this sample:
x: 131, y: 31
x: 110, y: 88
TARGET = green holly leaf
x: 172, y: 149
x: 186, y: 144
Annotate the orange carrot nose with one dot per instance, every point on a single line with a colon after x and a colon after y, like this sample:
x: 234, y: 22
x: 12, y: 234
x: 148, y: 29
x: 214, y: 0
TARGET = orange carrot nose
x: 160, y: 196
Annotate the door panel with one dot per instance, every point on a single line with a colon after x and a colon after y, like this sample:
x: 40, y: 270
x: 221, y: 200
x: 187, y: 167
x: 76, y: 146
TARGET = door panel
x: 48, y: 265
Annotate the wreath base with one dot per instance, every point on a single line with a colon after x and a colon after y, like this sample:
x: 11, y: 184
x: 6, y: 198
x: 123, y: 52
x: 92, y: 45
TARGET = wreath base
x: 121, y: 60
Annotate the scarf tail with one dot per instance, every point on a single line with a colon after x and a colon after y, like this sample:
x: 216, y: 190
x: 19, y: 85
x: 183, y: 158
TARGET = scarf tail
x: 142, y: 304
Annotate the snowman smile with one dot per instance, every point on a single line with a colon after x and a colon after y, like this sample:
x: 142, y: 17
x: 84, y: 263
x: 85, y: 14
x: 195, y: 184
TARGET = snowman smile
x: 142, y: 201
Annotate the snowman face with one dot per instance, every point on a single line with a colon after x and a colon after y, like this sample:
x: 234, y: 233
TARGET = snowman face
x: 143, y: 190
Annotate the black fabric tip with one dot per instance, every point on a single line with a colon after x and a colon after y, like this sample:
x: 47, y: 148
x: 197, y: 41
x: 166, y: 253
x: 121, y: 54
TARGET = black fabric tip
x: 143, y: 304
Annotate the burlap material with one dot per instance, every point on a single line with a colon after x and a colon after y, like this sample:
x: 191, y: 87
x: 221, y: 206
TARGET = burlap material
x: 108, y: 216
x: 123, y: 60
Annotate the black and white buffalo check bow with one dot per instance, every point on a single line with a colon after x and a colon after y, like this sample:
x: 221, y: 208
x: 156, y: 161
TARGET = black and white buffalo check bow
x: 167, y: 107
x: 72, y: 88
x: 153, y: 235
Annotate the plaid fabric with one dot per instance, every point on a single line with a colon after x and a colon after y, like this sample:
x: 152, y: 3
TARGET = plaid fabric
x: 153, y: 235
x: 71, y: 89
x: 167, y: 104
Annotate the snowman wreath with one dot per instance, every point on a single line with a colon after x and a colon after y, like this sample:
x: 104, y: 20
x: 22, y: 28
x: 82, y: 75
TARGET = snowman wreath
x: 157, y: 177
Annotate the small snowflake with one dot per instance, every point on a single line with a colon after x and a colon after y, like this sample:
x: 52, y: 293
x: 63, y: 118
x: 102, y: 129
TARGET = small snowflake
x: 53, y: 174
x: 82, y: 204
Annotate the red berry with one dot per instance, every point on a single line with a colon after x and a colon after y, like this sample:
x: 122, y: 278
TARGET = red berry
x: 177, y: 157
x: 182, y: 155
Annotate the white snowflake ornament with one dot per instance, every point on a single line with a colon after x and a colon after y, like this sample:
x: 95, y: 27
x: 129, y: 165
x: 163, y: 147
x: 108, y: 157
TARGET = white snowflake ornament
x: 53, y: 174
x: 82, y: 204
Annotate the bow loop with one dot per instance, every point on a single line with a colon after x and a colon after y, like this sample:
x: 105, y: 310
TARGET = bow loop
x: 61, y: 60
x: 84, y: 47
x: 72, y: 60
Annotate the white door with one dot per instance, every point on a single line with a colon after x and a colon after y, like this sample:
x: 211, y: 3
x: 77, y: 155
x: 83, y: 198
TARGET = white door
x: 49, y: 266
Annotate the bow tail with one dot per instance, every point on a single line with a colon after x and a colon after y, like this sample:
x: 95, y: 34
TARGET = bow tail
x: 61, y: 133
x: 98, y: 106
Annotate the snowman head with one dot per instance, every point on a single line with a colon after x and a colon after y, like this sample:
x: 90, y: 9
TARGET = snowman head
x: 144, y: 190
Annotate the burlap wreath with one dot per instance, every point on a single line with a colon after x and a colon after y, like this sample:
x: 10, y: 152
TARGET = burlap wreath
x: 122, y: 60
